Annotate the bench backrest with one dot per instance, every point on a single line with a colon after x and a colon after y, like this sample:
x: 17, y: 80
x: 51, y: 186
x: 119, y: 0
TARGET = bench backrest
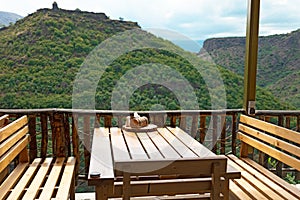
x: 211, y: 169
x: 13, y: 141
x: 278, y: 142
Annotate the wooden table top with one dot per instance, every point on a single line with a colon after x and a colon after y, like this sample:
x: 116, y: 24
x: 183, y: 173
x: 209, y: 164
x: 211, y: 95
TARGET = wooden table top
x: 112, y: 145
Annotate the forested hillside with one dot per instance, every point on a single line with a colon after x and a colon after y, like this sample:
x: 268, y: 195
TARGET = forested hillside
x: 42, y: 53
x: 278, y: 62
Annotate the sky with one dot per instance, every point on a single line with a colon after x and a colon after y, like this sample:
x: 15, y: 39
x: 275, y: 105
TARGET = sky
x: 192, y: 19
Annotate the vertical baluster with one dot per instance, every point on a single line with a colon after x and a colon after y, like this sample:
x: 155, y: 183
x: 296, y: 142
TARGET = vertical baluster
x: 223, y: 133
x: 234, y: 132
x: 87, y: 142
x: 182, y: 122
x: 44, y: 129
x: 75, y: 143
x: 107, y: 121
x: 194, y: 127
x: 32, y: 132
x: 279, y: 164
x: 67, y: 133
x: 215, y: 133
x: 202, y: 128
x: 173, y: 121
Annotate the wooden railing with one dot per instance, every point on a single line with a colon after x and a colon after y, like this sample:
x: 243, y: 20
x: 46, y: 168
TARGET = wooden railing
x: 66, y: 132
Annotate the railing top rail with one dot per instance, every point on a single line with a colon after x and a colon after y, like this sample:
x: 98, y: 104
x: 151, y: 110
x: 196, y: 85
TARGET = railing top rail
x: 118, y: 112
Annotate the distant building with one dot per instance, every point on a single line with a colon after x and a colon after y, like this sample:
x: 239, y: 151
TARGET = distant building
x: 55, y: 6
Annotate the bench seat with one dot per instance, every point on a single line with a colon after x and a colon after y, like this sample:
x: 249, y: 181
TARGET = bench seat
x: 48, y: 178
x: 258, y: 182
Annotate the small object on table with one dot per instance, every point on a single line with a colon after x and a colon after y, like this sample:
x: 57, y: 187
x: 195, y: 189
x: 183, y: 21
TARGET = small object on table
x: 95, y: 174
x: 137, y: 123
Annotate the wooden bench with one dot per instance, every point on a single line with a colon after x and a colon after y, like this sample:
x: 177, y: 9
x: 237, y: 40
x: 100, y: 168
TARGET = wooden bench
x: 49, y: 178
x: 258, y: 182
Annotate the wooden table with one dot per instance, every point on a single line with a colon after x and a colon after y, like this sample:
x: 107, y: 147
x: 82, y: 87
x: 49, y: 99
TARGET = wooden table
x: 114, y: 145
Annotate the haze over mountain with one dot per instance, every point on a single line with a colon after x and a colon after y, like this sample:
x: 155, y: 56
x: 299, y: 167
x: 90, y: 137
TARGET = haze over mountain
x: 278, y: 62
x: 41, y: 54
x: 7, y: 17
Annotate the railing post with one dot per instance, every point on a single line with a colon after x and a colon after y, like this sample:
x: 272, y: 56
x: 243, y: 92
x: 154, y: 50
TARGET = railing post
x: 44, y: 129
x: 32, y: 132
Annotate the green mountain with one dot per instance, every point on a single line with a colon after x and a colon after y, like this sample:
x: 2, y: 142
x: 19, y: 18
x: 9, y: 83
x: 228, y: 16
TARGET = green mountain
x: 54, y: 56
x: 278, y: 62
x: 6, y: 18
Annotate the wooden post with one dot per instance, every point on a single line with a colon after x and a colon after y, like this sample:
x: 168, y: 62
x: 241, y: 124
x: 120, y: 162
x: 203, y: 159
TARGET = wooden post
x: 202, y: 128
x: 87, y: 142
x: 75, y: 144
x: 223, y: 134
x: 32, y: 132
x: 194, y: 127
x: 234, y: 133
x: 215, y: 133
x: 251, y: 55
x: 44, y: 128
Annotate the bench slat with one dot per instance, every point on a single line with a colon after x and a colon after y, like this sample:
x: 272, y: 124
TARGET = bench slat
x: 274, y: 183
x: 8, y: 157
x: 12, y: 179
x: 19, y: 188
x: 283, y: 157
x: 271, y: 128
x: 255, y: 181
x: 236, y: 192
x: 38, y: 179
x: 3, y: 120
x: 9, y: 129
x: 271, y: 140
x: 52, y: 179
x: 7, y: 144
x: 67, y: 181
x: 288, y: 187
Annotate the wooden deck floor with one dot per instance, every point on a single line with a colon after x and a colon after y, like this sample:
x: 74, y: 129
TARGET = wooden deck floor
x: 91, y: 196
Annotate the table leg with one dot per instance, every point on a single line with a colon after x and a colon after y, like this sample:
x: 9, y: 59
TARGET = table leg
x: 101, y: 192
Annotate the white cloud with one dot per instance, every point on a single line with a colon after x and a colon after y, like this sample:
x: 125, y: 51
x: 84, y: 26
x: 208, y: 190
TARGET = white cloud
x: 197, y: 19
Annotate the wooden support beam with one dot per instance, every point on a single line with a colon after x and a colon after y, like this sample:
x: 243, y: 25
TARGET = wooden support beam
x: 251, y: 55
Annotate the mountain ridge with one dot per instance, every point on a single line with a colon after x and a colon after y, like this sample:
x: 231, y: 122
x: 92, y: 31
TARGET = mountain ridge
x: 41, y: 54
x: 278, y: 59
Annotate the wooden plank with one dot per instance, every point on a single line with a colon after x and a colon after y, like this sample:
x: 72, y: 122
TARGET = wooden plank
x: 163, y: 187
x: 10, y: 155
x: 39, y: 178
x: 33, y: 140
x: 259, y: 185
x: 182, y: 166
x: 120, y: 151
x: 249, y: 189
x: 194, y: 145
x: 52, y: 179
x: 236, y: 192
x: 163, y: 146
x: 290, y: 188
x: 19, y: 188
x: 150, y: 148
x: 180, y: 147
x: 287, y: 159
x: 7, y: 144
x: 12, y: 179
x: 293, y: 149
x: 4, y: 120
x: 134, y: 146
x: 101, y: 156
x: 44, y: 129
x: 271, y: 128
x: 7, y: 130
x: 65, y: 186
